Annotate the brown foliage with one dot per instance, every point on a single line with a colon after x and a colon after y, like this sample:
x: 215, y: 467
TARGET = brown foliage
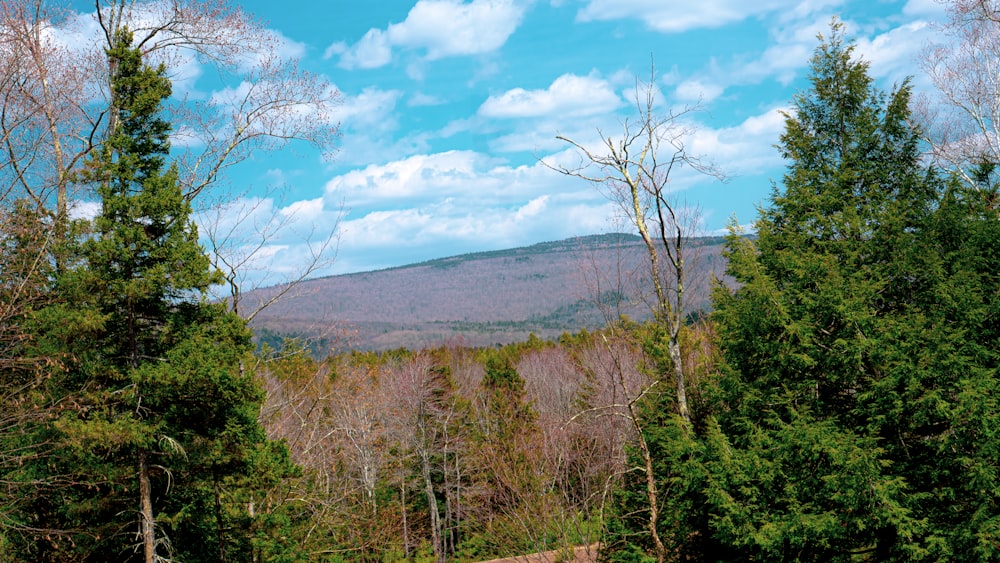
x: 404, y: 451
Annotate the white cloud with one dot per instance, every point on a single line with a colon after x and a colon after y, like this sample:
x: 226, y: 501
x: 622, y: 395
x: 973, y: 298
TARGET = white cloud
x: 432, y: 205
x: 672, y: 16
x: 568, y: 96
x: 419, y: 99
x: 435, y: 176
x: 744, y: 149
x: 372, y: 51
x: 437, y: 204
x: 927, y: 8
x: 447, y: 227
x: 890, y: 52
x: 271, y: 242
x: 370, y: 107
x: 440, y: 28
x: 533, y: 208
x: 893, y: 53
x: 791, y: 47
x: 447, y: 28
x: 271, y: 45
x: 368, y: 122
x: 697, y: 91
x: 306, y: 210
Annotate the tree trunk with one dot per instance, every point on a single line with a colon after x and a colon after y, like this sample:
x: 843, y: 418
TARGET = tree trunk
x: 675, y: 358
x: 425, y: 465
x: 652, y: 497
x: 406, y: 527
x: 146, y: 508
x: 218, y: 519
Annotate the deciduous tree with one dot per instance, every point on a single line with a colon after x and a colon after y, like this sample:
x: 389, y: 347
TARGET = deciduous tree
x: 57, y: 103
x: 636, y: 170
x: 962, y: 118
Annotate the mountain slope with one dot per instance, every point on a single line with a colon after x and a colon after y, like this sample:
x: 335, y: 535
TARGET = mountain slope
x: 483, y: 298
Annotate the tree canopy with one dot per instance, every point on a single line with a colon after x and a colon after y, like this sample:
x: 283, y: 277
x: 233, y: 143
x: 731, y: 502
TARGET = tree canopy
x: 158, y: 430
x: 852, y: 415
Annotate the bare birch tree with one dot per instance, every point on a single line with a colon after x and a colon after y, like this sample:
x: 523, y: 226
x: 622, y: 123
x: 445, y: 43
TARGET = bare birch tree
x: 636, y: 169
x: 962, y: 121
x: 241, y: 235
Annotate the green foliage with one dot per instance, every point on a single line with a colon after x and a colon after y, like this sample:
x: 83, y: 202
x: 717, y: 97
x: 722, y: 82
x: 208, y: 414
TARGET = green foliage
x: 146, y: 367
x: 853, y: 417
x: 795, y: 473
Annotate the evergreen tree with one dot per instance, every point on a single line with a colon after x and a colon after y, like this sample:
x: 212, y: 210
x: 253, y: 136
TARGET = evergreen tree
x: 854, y: 414
x: 161, y: 441
x: 854, y: 347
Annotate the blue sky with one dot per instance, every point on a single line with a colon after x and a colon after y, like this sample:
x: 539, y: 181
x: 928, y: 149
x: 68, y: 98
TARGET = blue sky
x: 448, y: 106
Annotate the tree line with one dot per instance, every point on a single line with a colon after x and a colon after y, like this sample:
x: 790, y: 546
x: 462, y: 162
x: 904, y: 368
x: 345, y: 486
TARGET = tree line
x: 838, y: 404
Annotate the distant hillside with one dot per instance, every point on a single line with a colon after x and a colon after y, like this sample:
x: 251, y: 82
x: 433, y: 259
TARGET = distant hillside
x: 483, y: 298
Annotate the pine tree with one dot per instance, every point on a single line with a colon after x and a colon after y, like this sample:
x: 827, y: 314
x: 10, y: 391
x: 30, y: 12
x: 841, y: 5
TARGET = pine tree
x: 162, y: 441
x: 840, y: 384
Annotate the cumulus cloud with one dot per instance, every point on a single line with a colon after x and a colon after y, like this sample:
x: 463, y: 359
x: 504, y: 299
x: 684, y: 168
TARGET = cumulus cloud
x: 449, y: 227
x: 746, y: 148
x: 697, y: 91
x: 892, y: 53
x: 419, y: 99
x: 269, y: 241
x: 569, y: 95
x: 368, y: 107
x: 926, y: 8
x: 368, y: 120
x: 523, y: 120
x: 437, y: 204
x: 372, y: 51
x: 439, y: 28
x: 437, y: 175
x: 673, y: 16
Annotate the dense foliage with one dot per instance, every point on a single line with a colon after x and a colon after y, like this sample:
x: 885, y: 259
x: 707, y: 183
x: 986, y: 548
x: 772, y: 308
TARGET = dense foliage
x: 853, y: 416
x: 148, y: 443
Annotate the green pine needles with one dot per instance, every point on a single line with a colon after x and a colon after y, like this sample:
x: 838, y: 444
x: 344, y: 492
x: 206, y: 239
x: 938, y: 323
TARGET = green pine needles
x: 156, y: 452
x: 854, y: 416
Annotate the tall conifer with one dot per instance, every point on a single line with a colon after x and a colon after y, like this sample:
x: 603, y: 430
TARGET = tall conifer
x: 162, y: 448
x: 858, y: 346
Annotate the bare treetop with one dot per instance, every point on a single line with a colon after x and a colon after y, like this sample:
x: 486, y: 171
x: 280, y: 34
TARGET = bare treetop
x: 51, y: 55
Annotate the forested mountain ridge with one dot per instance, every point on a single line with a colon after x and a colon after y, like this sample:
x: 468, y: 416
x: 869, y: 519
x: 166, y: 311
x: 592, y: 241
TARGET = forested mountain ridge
x: 482, y: 298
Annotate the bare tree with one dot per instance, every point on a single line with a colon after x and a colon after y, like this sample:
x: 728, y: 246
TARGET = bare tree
x: 422, y: 404
x: 46, y: 125
x: 579, y: 456
x: 636, y: 170
x: 962, y: 121
x: 56, y: 102
x: 241, y: 235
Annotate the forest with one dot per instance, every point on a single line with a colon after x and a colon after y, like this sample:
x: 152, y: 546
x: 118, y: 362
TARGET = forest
x: 838, y: 403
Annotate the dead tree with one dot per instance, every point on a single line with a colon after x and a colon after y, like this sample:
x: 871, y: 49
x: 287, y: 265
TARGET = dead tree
x: 636, y: 170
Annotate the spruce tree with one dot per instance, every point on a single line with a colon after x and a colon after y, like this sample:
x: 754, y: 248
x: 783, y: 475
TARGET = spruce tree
x: 161, y: 445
